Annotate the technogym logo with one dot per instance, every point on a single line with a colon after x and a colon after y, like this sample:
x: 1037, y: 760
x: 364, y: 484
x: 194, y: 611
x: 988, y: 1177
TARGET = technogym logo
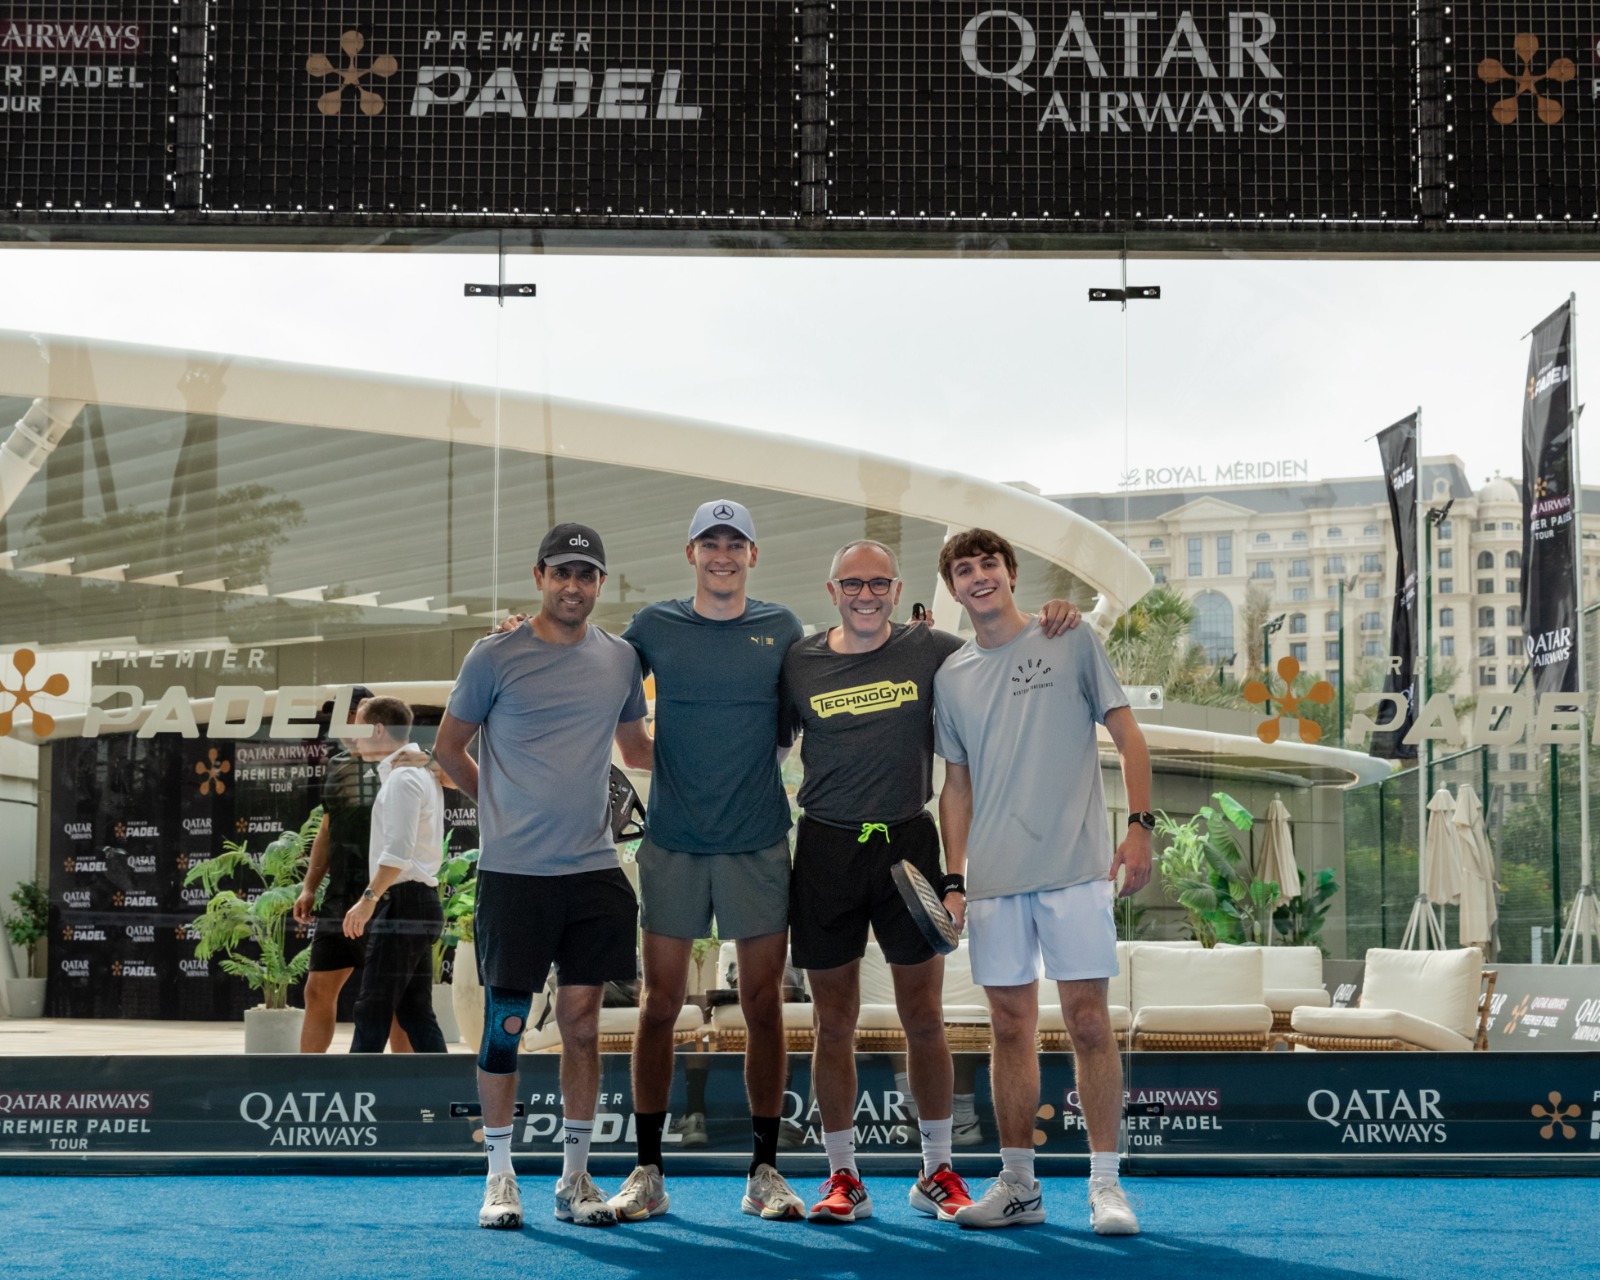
x: 351, y: 43
x: 41, y: 723
x: 1508, y: 110
x: 863, y: 699
x: 1256, y: 691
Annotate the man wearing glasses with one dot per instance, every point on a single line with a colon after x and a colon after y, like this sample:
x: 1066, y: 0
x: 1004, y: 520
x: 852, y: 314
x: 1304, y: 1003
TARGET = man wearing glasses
x: 861, y: 694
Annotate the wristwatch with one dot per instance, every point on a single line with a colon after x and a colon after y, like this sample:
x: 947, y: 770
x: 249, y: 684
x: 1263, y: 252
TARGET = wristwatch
x: 1146, y: 819
x: 367, y: 895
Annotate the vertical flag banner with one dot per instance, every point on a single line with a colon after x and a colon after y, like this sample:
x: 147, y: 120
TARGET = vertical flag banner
x: 1398, y: 447
x: 1549, y: 550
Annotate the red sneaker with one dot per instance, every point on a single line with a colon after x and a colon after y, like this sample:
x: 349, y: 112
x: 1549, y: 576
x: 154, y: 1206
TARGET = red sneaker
x: 844, y: 1199
x: 941, y: 1193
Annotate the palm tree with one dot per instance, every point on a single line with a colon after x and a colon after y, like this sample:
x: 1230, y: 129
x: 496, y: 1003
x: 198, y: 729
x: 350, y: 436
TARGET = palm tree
x: 1151, y: 644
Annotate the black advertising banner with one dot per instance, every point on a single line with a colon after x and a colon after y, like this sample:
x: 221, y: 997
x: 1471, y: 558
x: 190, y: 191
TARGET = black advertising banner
x: 1525, y: 78
x: 1067, y: 113
x: 653, y: 108
x: 1549, y: 534
x: 84, y: 105
x: 1389, y: 1113
x: 1398, y: 447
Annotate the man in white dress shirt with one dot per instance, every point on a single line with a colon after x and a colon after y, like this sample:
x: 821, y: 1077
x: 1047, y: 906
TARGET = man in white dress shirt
x: 399, y: 910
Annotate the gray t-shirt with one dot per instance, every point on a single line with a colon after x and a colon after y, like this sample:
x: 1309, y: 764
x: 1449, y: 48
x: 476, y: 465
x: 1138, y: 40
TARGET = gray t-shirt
x: 548, y: 713
x: 1022, y: 718
x: 867, y: 720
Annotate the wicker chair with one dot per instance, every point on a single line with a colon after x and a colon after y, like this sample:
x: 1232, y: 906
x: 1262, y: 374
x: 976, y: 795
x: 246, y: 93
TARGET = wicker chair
x: 1198, y: 999
x: 729, y: 1033
x: 1410, y: 1001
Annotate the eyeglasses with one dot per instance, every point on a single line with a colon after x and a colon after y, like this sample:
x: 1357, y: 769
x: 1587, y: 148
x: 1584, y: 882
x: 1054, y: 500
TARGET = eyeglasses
x: 878, y: 586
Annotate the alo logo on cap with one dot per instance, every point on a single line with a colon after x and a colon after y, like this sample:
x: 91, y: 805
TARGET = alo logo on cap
x: 577, y: 540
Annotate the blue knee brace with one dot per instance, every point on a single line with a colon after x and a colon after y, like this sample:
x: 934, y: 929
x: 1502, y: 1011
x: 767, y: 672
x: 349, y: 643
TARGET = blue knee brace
x: 502, y: 1011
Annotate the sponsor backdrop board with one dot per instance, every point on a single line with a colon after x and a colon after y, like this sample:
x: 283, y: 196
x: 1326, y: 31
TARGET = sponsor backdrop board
x: 1293, y: 1112
x: 1074, y: 113
x: 604, y: 109
x: 85, y: 98
x: 129, y: 817
x: 1526, y: 137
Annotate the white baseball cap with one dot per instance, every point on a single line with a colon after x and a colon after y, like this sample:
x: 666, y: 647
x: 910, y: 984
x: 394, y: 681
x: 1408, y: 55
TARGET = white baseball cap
x: 722, y: 511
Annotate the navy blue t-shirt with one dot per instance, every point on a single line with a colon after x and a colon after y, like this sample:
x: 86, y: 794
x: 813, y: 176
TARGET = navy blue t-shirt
x: 716, y: 787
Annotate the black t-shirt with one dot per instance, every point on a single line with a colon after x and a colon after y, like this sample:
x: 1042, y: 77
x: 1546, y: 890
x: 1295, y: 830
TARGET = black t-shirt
x: 348, y: 791
x: 867, y: 720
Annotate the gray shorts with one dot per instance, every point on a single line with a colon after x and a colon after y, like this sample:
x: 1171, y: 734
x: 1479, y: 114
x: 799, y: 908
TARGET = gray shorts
x: 748, y: 893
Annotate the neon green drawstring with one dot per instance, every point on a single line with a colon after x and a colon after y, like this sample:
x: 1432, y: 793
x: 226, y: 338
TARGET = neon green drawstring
x: 867, y: 828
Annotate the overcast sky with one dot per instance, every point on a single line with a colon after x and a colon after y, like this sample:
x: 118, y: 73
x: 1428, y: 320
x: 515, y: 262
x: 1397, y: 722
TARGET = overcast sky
x: 997, y: 367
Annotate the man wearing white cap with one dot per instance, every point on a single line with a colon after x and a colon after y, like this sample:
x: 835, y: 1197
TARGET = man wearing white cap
x: 717, y: 842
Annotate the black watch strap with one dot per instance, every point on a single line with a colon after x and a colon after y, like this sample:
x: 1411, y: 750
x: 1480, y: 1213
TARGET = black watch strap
x: 1144, y: 819
x: 952, y: 884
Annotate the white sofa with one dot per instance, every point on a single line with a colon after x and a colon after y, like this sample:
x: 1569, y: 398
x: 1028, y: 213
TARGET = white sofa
x: 1195, y: 998
x: 1410, y: 1000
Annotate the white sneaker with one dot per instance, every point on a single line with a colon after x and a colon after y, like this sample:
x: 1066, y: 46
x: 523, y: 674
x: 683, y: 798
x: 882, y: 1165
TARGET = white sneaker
x: 966, y: 1133
x: 643, y: 1195
x: 579, y: 1200
x: 1109, y: 1212
x: 767, y: 1195
x: 502, y: 1203
x: 1008, y: 1201
x: 691, y: 1129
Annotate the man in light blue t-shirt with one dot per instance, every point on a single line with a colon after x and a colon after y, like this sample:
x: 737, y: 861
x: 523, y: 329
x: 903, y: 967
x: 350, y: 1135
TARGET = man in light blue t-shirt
x: 1022, y: 812
x: 546, y: 699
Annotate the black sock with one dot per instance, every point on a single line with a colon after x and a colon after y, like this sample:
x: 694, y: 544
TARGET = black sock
x: 695, y: 1102
x: 766, y: 1131
x: 647, y: 1127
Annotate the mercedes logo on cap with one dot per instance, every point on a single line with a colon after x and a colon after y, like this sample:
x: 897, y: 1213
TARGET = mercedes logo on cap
x: 722, y: 511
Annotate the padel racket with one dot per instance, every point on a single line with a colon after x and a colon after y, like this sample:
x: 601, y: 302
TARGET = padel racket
x: 627, y: 810
x: 922, y: 901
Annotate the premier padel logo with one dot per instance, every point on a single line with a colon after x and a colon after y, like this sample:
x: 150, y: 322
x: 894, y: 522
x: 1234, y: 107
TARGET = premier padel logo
x: 1509, y: 110
x: 1322, y: 693
x: 41, y: 723
x: 1555, y: 1116
x: 351, y: 43
x: 211, y: 770
x: 863, y: 699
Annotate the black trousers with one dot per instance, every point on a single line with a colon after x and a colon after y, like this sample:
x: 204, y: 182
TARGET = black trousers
x: 397, y: 976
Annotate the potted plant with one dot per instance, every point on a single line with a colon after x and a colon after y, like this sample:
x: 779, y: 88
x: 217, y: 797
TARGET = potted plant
x: 1299, y: 921
x: 1205, y: 871
x: 251, y: 931
x: 458, y: 896
x: 26, y: 926
x: 701, y: 951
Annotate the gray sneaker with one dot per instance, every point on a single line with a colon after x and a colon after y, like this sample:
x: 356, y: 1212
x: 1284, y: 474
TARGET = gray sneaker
x: 1109, y: 1211
x: 579, y: 1200
x: 767, y: 1195
x: 966, y: 1133
x: 643, y: 1195
x: 1008, y: 1201
x: 502, y: 1203
x: 691, y: 1129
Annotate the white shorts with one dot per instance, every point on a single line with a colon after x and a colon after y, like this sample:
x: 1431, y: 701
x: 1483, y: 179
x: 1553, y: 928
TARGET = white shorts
x: 1066, y: 935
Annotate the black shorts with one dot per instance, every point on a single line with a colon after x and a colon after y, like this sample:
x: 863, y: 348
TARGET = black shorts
x: 841, y: 884
x: 586, y: 924
x: 330, y: 949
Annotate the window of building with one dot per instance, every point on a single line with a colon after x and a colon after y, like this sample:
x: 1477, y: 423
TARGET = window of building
x: 1331, y: 620
x: 1485, y: 559
x: 1371, y: 531
x: 1486, y: 675
x: 1444, y: 532
x: 1299, y: 595
x: 1519, y: 788
x: 1486, y: 646
x: 1513, y: 586
x: 1225, y: 553
x: 1336, y: 532
x: 1447, y: 586
x: 1371, y: 590
x: 1485, y: 586
x: 1517, y: 760
x: 1486, y: 616
x: 1486, y: 527
x: 1333, y: 591
x: 1513, y: 616
x: 1157, y: 543
x: 1449, y: 766
x: 1331, y: 650
x: 1195, y: 569
x: 1261, y: 569
x: 1372, y: 621
x: 1513, y: 559
x: 1447, y: 559
x: 1212, y: 628
x: 1298, y: 652
x: 1160, y: 574
x: 1299, y: 568
x: 1371, y: 563
x: 1514, y: 674
x: 1513, y: 646
x: 1447, y: 646
x: 1509, y: 526
x: 1297, y: 624
x: 1263, y: 537
x: 1299, y: 535
x: 1447, y: 617
x: 1372, y: 649
x: 1335, y: 564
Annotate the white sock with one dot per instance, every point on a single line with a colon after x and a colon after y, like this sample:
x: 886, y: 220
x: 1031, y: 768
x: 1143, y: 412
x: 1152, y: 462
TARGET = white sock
x: 1105, y: 1164
x: 497, y: 1142
x: 935, y: 1144
x: 1018, y: 1161
x: 841, y: 1151
x: 965, y: 1110
x: 576, y: 1135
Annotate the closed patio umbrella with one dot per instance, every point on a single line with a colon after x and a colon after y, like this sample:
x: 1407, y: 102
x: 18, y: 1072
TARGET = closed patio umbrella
x: 1478, y: 909
x: 1438, y: 876
x: 1275, y: 858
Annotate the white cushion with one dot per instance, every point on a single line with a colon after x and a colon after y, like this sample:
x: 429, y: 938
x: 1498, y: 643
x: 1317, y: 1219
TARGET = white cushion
x: 877, y: 983
x: 1287, y: 999
x: 730, y: 1017
x: 959, y: 988
x: 1438, y: 986
x: 878, y: 1017
x: 967, y: 1013
x: 1181, y: 976
x: 1292, y: 967
x: 1050, y: 1018
x: 1379, y: 1024
x: 625, y: 1021
x: 1203, y: 1018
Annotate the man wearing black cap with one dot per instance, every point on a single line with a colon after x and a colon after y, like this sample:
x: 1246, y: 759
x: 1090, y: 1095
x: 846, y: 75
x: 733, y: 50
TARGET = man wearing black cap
x: 546, y: 699
x: 339, y: 854
x: 717, y: 841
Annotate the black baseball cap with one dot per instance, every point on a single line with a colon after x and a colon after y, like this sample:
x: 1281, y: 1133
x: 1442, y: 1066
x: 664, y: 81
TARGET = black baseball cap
x: 568, y: 542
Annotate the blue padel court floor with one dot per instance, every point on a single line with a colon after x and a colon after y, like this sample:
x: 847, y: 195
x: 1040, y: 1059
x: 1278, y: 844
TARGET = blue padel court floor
x: 425, y: 1229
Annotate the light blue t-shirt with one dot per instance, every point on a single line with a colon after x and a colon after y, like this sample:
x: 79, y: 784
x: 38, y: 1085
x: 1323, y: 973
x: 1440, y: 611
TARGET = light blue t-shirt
x: 715, y: 787
x: 1022, y: 718
x: 547, y: 713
